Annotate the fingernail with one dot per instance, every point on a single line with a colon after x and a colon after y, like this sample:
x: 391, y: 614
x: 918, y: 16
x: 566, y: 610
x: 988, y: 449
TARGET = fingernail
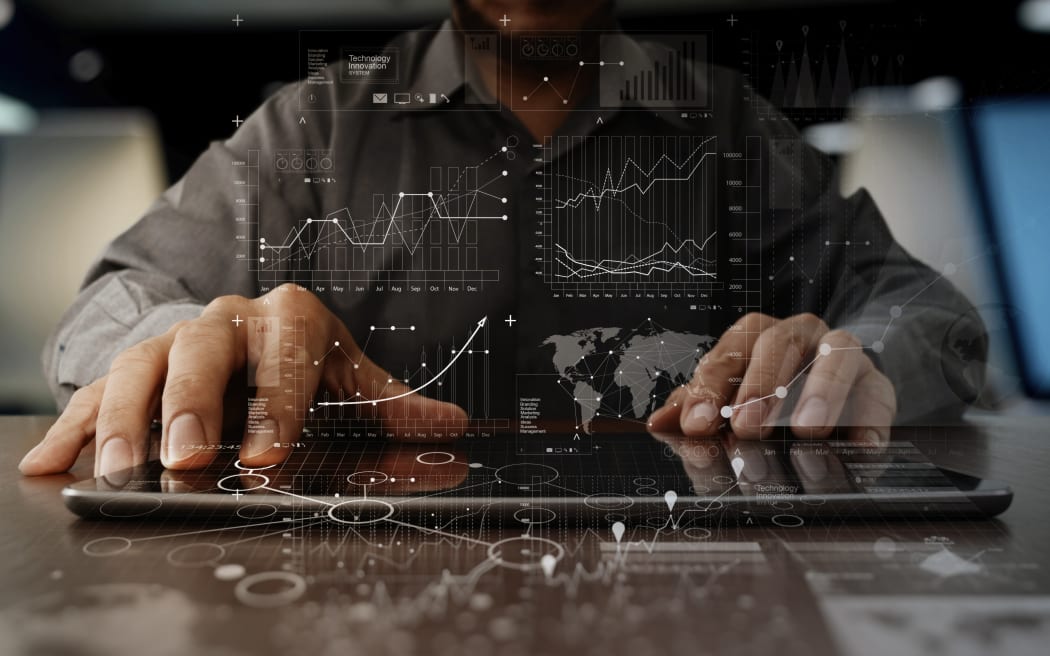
x: 701, y: 416
x: 752, y: 413
x: 115, y: 455
x: 813, y: 414
x: 185, y: 432
x: 260, y: 438
x: 875, y: 438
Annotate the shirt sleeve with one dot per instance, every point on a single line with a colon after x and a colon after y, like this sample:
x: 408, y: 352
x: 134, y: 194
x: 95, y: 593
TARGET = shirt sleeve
x: 183, y: 252
x: 835, y: 257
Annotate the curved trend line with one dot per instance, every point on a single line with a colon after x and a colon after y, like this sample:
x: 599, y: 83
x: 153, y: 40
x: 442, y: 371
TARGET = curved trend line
x: 481, y: 324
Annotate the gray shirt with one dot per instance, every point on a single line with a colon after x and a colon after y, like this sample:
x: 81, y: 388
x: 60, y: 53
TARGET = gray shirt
x: 330, y: 152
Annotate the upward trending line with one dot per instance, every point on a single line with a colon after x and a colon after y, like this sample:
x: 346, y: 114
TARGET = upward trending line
x: 434, y: 379
x: 616, y: 187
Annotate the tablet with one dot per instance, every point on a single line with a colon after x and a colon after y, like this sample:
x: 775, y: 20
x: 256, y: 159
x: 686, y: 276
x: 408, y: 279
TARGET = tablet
x: 630, y: 477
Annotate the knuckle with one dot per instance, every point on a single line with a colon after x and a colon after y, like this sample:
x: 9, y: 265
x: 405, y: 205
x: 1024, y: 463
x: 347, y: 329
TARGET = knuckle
x: 178, y: 326
x: 290, y: 297
x: 781, y: 340
x: 186, y: 387
x: 716, y: 361
x: 751, y: 322
x: 83, y: 398
x: 842, y: 338
x: 143, y: 354
x: 810, y: 319
x: 834, y: 376
x: 224, y: 302
x: 213, y: 338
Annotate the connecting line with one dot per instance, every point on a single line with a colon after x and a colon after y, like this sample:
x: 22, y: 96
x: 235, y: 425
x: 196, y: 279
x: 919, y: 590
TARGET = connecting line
x: 428, y: 496
x: 215, y: 530
x: 389, y: 230
x: 560, y: 487
x: 579, y: 198
x: 724, y: 492
x: 298, y: 496
x: 565, y: 99
x: 782, y: 390
x: 438, y: 375
x: 637, y: 266
x: 266, y: 535
x: 438, y: 532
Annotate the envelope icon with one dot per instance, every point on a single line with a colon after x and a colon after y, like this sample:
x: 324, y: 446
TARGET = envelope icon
x: 379, y: 98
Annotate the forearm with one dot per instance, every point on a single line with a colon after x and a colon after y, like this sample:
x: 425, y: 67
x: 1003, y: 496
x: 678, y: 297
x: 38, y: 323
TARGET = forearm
x: 116, y: 310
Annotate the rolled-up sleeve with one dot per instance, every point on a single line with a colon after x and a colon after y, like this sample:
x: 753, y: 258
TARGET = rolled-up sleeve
x: 185, y: 251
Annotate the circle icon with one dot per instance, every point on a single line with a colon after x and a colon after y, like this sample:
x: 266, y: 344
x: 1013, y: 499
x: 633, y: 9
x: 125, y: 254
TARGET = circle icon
x: 526, y: 473
x: 356, y: 512
x: 525, y: 553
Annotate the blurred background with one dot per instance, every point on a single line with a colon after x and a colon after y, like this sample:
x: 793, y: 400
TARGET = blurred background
x: 105, y: 103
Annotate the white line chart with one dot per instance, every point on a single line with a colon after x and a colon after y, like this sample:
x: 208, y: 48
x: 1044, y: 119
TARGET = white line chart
x: 612, y: 187
x: 567, y: 96
x: 457, y: 371
x: 665, y: 260
x: 381, y: 232
x: 434, y: 234
x: 630, y: 211
x: 436, y: 378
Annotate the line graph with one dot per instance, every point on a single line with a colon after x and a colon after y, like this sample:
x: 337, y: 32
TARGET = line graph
x: 414, y: 239
x: 359, y: 400
x: 630, y: 214
x: 457, y: 371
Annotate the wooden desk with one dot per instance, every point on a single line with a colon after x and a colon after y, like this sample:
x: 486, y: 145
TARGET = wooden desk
x: 132, y: 586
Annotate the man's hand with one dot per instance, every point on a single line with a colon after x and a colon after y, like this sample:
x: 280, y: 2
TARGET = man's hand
x: 756, y: 364
x: 185, y: 374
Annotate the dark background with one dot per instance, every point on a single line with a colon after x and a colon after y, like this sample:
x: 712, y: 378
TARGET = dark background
x: 195, y: 73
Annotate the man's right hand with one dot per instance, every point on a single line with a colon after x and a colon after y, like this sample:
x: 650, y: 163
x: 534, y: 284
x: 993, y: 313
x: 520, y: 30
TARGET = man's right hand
x: 183, y: 377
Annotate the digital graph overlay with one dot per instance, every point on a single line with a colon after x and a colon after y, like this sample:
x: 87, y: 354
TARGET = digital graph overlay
x: 637, y: 215
x: 642, y: 221
x: 815, y: 68
x: 458, y: 373
x: 426, y: 237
